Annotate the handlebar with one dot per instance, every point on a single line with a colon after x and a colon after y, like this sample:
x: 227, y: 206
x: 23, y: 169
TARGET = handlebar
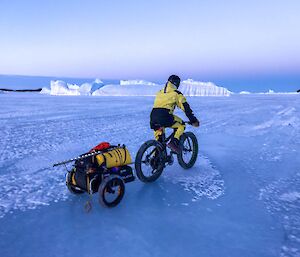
x: 190, y: 123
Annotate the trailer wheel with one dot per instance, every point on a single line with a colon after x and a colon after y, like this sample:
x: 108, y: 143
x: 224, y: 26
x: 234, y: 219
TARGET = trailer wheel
x: 111, y: 191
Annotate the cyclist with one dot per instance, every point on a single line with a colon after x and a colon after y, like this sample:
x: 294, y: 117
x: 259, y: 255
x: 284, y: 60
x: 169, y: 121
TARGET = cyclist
x: 162, y: 113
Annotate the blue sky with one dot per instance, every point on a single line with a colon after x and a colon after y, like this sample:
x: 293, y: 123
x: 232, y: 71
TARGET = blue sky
x: 204, y: 40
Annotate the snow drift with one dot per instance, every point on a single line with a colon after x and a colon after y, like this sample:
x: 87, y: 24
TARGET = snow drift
x: 133, y: 88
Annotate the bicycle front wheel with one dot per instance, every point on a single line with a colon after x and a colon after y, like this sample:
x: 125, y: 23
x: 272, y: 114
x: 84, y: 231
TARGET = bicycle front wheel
x: 189, y: 153
x: 149, y: 161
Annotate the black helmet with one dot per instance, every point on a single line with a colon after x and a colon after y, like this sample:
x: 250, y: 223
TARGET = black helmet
x: 175, y: 80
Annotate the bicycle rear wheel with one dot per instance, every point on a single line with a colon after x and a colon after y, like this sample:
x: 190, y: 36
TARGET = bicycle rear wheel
x: 150, y: 161
x: 189, y: 153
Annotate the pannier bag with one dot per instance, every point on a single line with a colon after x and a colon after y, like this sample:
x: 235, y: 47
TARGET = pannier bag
x: 116, y: 157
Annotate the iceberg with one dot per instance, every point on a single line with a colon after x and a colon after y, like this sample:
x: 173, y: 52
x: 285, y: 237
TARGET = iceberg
x: 272, y: 92
x: 145, y: 88
x: 191, y: 87
x: 96, y: 85
x: 85, y: 89
x: 136, y: 82
x: 98, y: 81
x: 188, y: 87
x: 59, y: 87
x: 128, y: 90
x: 45, y: 91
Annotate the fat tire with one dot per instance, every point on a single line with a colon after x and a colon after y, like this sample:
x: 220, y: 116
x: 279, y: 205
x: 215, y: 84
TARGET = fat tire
x: 70, y: 187
x: 138, y: 161
x: 191, y: 163
x: 102, y: 189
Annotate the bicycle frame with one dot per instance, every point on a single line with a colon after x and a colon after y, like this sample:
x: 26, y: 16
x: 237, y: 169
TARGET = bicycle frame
x: 163, y: 140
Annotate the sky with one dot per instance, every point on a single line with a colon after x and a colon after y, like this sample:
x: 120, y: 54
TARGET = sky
x: 205, y: 40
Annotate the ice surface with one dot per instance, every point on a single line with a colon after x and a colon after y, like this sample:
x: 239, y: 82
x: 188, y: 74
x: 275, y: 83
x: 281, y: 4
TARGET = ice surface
x: 208, y: 183
x: 282, y: 197
x: 240, y: 199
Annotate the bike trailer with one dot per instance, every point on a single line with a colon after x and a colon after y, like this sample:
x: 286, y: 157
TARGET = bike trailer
x: 104, y: 169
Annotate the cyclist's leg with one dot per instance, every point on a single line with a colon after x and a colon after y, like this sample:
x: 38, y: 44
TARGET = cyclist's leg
x: 178, y: 126
x: 158, y: 133
x: 155, y: 158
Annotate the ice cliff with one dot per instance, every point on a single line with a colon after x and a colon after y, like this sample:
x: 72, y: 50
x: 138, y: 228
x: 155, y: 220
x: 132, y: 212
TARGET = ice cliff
x: 133, y: 88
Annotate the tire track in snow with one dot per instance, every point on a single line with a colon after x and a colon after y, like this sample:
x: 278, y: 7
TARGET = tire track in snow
x: 201, y: 181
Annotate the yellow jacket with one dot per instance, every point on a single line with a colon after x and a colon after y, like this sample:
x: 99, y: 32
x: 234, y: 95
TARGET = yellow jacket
x: 166, y: 100
x: 169, y: 97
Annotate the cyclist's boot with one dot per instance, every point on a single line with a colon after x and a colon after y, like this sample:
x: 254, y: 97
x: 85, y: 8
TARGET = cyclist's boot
x: 174, y: 145
x: 153, y: 163
x: 170, y: 159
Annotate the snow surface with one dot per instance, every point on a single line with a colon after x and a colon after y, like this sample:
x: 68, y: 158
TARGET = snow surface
x: 134, y: 88
x: 242, y: 197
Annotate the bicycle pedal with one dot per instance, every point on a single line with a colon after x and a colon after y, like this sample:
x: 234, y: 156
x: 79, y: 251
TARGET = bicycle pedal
x: 170, y: 160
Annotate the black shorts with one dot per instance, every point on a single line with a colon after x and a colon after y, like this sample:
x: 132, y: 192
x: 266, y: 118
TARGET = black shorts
x: 160, y: 117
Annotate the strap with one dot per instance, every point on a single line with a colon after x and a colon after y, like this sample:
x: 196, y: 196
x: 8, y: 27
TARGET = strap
x: 165, y: 89
x: 105, y: 162
x: 119, y: 154
x: 125, y: 154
